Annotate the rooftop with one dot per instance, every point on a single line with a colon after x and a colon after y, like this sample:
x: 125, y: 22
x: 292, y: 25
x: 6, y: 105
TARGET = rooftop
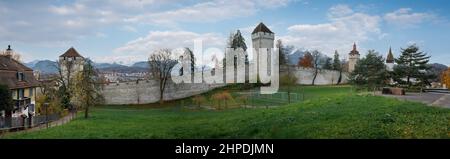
x: 9, y: 69
x: 261, y: 28
x: 71, y: 53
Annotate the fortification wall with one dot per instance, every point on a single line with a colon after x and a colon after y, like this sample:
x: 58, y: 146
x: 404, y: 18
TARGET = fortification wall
x: 324, y: 77
x: 148, y: 91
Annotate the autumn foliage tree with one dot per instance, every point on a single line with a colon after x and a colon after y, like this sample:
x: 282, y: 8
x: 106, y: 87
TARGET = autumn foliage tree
x: 199, y: 100
x: 222, y: 97
x: 446, y: 78
x: 306, y: 61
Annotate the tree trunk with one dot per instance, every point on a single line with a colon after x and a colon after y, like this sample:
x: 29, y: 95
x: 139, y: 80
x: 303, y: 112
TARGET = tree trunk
x: 340, y: 78
x: 315, y: 76
x: 161, y: 97
x: 408, y: 81
x: 86, y: 112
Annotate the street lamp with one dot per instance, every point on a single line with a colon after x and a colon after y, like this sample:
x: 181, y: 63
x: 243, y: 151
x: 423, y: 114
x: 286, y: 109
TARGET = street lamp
x: 46, y: 113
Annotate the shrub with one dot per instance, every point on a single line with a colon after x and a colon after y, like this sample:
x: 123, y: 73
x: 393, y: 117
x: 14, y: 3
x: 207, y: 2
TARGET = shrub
x: 198, y: 100
x: 221, y: 96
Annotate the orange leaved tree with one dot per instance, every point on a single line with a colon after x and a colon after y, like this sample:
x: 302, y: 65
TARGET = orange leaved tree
x: 446, y: 78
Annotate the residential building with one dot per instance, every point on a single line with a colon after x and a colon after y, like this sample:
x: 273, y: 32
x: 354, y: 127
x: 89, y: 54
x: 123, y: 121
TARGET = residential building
x: 22, y: 83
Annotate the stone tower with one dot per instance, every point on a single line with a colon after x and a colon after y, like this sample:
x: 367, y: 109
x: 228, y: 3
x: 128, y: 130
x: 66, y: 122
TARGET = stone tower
x: 353, y: 58
x: 71, y: 62
x: 390, y: 61
x: 262, y: 37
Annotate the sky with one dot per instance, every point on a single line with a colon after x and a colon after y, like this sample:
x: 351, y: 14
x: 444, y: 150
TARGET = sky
x: 129, y: 31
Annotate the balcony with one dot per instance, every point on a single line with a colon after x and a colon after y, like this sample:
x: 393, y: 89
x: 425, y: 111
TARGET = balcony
x: 21, y: 103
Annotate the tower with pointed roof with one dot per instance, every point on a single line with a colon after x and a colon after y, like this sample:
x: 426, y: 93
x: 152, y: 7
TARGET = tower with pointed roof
x: 262, y: 37
x: 390, y: 61
x: 353, y: 58
x: 71, y: 62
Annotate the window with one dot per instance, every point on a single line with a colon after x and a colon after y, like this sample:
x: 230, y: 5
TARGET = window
x: 20, y: 93
x: 20, y: 76
x: 31, y: 92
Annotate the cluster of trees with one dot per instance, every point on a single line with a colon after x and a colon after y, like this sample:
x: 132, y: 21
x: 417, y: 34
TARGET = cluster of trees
x: 411, y: 71
x: 318, y: 61
x: 71, y: 89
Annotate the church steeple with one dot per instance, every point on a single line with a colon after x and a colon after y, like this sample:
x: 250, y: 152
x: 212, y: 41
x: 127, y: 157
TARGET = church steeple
x: 390, y: 56
x: 354, y: 51
x: 353, y: 58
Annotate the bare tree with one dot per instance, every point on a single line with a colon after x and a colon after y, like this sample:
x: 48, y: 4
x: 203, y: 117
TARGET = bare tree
x: 316, y: 63
x: 161, y: 66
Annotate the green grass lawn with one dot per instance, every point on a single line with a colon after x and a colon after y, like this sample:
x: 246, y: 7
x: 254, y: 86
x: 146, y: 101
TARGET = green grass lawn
x: 327, y: 112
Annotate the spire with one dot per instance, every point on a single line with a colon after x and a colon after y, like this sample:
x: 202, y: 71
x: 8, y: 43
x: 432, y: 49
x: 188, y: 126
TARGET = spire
x: 390, y: 56
x: 354, y: 51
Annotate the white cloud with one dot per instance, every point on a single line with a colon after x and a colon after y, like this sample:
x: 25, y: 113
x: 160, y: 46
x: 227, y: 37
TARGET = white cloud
x: 51, y: 22
x: 344, y: 27
x: 404, y: 17
x: 129, y: 28
x: 202, y: 12
x: 339, y: 11
x: 140, y: 48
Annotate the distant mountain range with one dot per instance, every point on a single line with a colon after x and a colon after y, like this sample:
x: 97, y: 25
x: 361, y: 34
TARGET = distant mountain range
x: 294, y: 57
x: 49, y: 67
x: 44, y: 66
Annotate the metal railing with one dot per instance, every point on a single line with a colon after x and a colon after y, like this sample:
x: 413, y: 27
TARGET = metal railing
x: 21, y: 123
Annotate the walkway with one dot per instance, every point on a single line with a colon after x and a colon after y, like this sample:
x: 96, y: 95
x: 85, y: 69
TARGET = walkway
x: 58, y: 122
x: 432, y: 99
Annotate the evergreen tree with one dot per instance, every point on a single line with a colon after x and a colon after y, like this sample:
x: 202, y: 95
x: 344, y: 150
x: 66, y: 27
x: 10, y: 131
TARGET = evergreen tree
x: 370, y: 71
x: 238, y: 41
x: 336, y: 61
x: 327, y: 65
x: 412, y: 65
x: 6, y: 103
x: 338, y: 66
x: 283, y: 52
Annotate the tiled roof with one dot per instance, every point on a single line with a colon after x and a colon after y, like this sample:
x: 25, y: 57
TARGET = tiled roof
x: 261, y: 28
x: 71, y: 53
x: 8, y: 74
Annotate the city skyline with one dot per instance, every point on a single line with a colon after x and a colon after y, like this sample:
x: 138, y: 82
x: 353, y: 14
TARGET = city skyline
x: 128, y: 31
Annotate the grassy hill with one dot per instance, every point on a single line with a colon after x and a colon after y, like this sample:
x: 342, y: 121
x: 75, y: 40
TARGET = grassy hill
x: 328, y: 112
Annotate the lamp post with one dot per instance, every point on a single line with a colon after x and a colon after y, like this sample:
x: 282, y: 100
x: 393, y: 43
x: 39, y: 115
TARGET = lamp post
x: 46, y: 113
